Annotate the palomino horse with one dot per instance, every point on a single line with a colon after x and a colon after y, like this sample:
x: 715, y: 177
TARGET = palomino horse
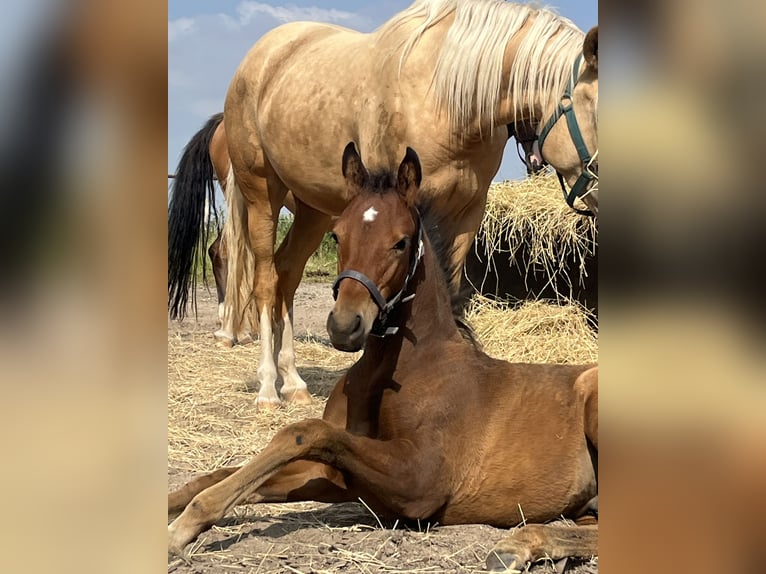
x: 421, y: 426
x: 450, y: 73
x: 205, y: 159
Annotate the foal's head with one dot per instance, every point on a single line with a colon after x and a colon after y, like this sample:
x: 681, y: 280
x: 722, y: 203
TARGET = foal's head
x: 379, y: 241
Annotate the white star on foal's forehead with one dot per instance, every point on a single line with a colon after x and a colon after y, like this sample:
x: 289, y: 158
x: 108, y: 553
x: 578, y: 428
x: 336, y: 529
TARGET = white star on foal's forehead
x: 370, y: 214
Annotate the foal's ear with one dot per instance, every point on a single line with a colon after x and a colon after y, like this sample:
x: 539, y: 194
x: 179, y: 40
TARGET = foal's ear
x: 354, y: 171
x: 408, y: 179
x: 590, y: 48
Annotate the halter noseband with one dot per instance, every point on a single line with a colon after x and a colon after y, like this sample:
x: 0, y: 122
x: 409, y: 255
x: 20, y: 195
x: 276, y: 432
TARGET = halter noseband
x: 564, y: 108
x: 379, y: 328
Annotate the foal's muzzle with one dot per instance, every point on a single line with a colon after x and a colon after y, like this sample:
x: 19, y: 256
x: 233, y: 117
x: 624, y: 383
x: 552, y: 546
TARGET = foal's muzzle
x: 347, y: 330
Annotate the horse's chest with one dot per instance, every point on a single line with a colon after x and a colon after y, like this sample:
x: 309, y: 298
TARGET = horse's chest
x: 378, y: 413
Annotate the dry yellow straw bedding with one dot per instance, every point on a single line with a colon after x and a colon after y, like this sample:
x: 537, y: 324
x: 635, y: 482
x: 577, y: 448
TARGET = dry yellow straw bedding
x: 534, y: 332
x: 212, y: 420
x: 531, y: 213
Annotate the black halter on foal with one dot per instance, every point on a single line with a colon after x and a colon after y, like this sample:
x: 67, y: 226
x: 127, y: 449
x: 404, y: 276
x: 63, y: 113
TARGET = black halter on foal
x: 580, y: 188
x: 379, y: 328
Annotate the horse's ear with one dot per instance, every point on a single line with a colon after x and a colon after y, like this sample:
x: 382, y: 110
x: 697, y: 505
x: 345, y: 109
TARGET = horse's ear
x: 590, y: 48
x: 354, y: 171
x: 410, y: 174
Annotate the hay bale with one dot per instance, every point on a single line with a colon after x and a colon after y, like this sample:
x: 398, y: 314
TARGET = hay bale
x: 534, y: 331
x: 532, y: 245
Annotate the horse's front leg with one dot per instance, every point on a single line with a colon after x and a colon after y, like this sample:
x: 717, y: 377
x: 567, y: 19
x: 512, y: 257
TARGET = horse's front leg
x: 396, y: 473
x: 219, y: 496
x: 303, y: 238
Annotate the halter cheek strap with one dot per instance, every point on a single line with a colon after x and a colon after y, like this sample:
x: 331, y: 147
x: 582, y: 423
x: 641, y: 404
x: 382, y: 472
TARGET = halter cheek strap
x: 377, y: 296
x: 565, y: 109
x: 384, y: 307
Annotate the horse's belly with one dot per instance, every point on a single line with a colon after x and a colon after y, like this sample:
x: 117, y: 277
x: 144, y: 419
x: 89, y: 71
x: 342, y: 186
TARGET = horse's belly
x: 536, y: 493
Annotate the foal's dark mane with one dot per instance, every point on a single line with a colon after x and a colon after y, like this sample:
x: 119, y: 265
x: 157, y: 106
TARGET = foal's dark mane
x: 443, y: 250
x: 382, y: 183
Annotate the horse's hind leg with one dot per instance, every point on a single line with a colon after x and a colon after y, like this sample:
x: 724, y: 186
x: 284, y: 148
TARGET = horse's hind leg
x: 538, y: 541
x: 219, y: 264
x: 303, y: 238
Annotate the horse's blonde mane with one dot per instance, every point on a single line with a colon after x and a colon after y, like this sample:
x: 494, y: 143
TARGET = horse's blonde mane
x: 468, y: 73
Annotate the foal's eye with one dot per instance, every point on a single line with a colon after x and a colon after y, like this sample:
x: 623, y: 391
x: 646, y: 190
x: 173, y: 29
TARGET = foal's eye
x: 400, y: 245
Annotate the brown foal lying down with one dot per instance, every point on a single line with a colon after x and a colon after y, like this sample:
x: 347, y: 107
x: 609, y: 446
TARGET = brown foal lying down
x: 424, y: 425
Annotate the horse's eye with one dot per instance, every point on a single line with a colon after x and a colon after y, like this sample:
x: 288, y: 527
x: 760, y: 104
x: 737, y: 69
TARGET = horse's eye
x: 400, y: 245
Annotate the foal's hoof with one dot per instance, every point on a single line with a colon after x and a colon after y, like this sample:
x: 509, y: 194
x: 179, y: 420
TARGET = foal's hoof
x: 267, y: 405
x: 175, y: 544
x: 499, y: 561
x: 298, y: 397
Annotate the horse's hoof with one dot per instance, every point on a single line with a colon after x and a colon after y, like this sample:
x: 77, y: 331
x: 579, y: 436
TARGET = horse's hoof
x: 245, y: 339
x: 298, y: 397
x: 499, y: 561
x: 267, y: 405
x: 223, y: 339
x: 175, y: 547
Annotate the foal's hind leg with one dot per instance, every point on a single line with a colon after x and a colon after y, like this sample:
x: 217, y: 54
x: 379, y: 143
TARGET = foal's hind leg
x: 303, y: 238
x: 537, y: 541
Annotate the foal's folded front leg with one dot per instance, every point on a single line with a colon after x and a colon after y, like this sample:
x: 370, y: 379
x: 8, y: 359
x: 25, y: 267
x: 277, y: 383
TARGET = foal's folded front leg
x: 396, y: 473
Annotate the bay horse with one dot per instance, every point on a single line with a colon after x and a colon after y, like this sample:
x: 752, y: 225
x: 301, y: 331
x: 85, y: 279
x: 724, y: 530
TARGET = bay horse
x: 421, y: 426
x: 451, y: 73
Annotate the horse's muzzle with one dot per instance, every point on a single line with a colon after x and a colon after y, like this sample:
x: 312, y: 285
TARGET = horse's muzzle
x: 347, y: 330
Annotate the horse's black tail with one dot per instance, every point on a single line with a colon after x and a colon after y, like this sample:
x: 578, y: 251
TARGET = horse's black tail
x: 188, y: 230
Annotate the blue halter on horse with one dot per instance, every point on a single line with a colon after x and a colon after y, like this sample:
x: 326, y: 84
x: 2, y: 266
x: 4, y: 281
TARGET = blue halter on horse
x: 565, y: 109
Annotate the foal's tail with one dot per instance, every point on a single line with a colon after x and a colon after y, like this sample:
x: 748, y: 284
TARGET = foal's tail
x: 188, y: 228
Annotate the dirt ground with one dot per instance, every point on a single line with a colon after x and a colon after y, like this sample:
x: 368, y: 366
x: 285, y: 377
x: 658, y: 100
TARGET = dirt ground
x: 212, y: 422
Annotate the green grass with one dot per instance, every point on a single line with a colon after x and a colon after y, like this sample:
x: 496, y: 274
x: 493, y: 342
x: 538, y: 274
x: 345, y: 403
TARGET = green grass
x: 321, y: 267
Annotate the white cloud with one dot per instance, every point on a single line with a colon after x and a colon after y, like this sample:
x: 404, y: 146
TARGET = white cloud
x: 290, y: 13
x: 180, y: 27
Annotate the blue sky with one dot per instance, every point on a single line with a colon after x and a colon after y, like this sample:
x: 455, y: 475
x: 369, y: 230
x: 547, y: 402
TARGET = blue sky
x: 207, y: 39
